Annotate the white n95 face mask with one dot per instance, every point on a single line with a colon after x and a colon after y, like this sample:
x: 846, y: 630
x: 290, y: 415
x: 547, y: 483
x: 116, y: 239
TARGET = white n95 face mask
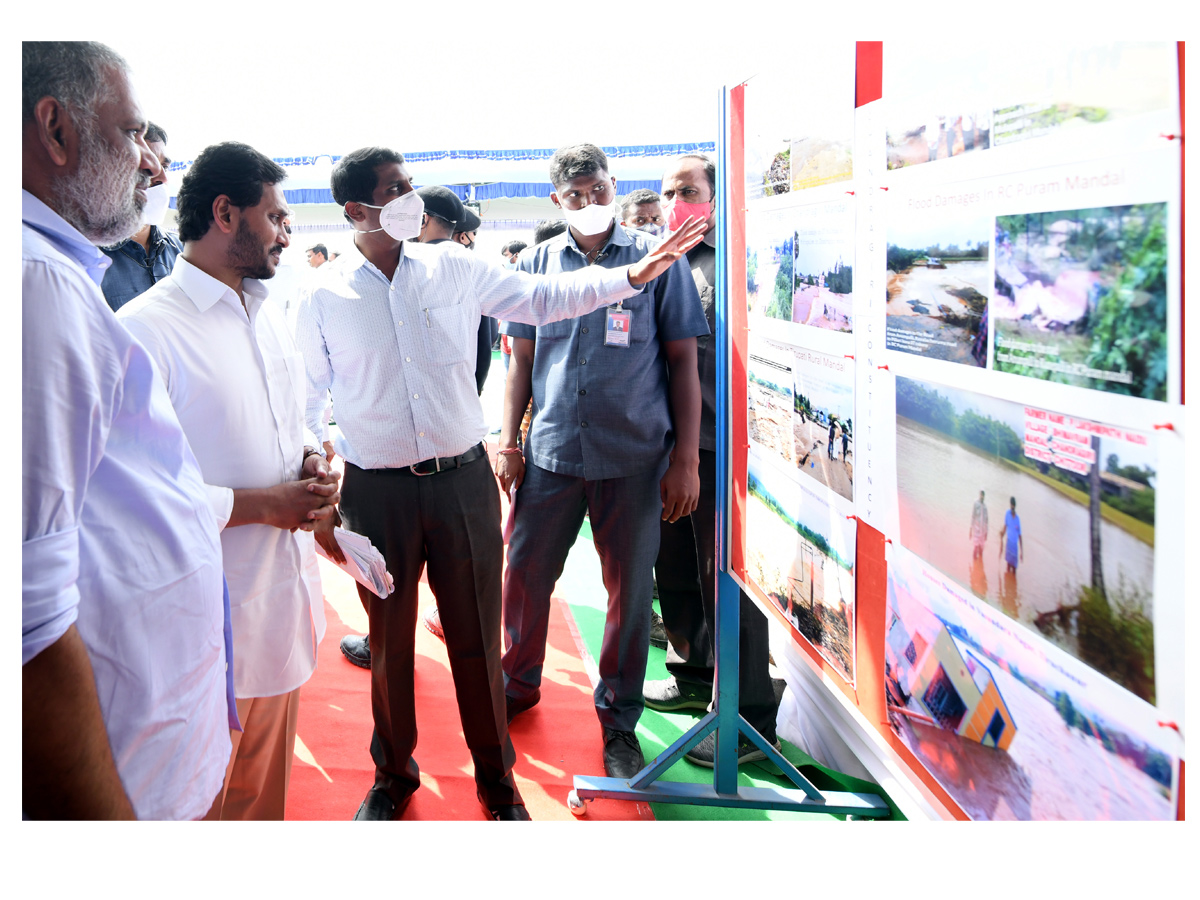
x: 157, y: 201
x: 400, y: 218
x: 592, y: 219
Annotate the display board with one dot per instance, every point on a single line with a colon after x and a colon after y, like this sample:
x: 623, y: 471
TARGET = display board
x: 957, y: 454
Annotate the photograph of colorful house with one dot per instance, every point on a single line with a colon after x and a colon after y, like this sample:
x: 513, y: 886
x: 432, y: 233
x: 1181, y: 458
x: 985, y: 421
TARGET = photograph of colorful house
x: 946, y: 681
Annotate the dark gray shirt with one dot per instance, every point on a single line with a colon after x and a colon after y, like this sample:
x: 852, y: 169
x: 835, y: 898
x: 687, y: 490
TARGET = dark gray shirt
x: 602, y: 411
x: 134, y: 271
x: 703, y: 260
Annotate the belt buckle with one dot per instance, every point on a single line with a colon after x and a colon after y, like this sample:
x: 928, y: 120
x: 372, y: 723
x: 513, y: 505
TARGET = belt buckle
x: 437, y: 467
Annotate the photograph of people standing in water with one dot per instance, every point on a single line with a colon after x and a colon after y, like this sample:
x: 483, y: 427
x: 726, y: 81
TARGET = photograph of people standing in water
x: 937, y: 287
x: 1045, y: 517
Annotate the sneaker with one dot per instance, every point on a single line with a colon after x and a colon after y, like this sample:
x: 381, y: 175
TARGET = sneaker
x: 357, y: 649
x: 433, y: 622
x: 622, y: 754
x: 705, y: 752
x: 658, y: 632
x: 669, y: 696
x: 514, y: 707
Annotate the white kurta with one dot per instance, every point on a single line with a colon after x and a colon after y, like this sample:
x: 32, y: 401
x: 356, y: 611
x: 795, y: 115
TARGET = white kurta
x: 238, y: 386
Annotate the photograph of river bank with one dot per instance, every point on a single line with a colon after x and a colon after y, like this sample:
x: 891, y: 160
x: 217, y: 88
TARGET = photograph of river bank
x: 1081, y: 297
x: 937, y: 300
x: 799, y: 553
x: 1076, y: 746
x: 1082, y: 570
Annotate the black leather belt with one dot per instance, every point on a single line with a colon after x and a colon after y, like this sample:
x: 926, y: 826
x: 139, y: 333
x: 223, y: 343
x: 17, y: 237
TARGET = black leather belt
x: 442, y: 463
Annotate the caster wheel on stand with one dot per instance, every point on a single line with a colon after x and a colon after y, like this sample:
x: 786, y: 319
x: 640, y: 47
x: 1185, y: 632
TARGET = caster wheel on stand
x: 576, y: 805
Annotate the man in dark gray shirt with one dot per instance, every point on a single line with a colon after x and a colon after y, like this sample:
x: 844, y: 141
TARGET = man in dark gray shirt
x: 616, y: 402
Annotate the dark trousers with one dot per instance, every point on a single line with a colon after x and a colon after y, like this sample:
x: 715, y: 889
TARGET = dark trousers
x: 686, y: 575
x: 624, y: 514
x: 449, y: 521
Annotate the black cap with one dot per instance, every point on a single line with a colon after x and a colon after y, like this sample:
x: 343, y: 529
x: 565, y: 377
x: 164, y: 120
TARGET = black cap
x: 469, y: 221
x: 442, y: 202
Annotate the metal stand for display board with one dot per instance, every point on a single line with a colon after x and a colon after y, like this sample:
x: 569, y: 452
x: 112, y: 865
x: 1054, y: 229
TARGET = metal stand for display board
x: 724, y: 718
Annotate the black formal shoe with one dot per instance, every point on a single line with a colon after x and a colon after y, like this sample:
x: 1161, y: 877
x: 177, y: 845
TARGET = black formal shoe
x: 514, y: 707
x: 378, y: 807
x: 357, y: 650
x: 506, y: 812
x: 622, y: 754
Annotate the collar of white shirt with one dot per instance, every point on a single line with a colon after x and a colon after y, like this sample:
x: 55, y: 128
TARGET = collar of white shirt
x: 205, y: 291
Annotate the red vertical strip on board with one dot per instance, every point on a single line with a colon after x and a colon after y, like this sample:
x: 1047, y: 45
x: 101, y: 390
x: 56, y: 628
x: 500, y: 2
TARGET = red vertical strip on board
x: 738, y: 428
x: 1179, y: 795
x: 870, y: 615
x: 868, y: 72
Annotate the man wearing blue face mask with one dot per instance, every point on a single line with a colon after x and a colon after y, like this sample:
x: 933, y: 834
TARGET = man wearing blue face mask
x: 140, y: 261
x: 642, y: 210
x: 391, y: 334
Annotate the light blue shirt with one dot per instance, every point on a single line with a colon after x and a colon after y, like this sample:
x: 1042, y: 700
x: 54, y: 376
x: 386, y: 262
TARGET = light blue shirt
x: 117, y: 533
x: 399, y: 356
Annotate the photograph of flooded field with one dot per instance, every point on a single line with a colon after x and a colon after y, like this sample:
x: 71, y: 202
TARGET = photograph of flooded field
x: 800, y: 552
x: 1046, y: 518
x: 1081, y: 298
x: 937, y: 287
x: 1009, y: 726
x: 823, y: 418
x: 823, y: 266
x: 1051, y: 86
x: 771, y: 403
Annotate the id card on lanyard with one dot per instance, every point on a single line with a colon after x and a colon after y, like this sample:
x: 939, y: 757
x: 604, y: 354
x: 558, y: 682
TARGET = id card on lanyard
x: 617, y: 325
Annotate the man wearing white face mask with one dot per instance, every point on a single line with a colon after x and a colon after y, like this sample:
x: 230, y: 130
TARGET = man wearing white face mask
x: 391, y: 335
x: 616, y: 402
x: 140, y: 261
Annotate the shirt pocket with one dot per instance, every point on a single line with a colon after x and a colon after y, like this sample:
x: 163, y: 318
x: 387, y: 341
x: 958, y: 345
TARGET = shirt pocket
x: 449, y: 336
x: 642, y: 327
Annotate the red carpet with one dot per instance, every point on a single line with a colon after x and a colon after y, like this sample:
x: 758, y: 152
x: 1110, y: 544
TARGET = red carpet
x: 557, y: 739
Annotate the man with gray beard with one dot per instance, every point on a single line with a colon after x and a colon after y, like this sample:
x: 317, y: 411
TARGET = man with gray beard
x: 126, y: 702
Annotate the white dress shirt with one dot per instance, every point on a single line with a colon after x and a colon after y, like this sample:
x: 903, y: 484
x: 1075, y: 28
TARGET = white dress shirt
x: 399, y: 355
x: 237, y: 383
x: 118, y: 537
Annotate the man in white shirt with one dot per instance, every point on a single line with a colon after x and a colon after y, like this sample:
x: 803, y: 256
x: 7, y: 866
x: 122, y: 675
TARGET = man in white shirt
x: 237, y: 383
x: 392, y: 337
x: 123, y: 649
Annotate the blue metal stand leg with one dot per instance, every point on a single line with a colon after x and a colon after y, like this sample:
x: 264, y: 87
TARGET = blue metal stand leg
x: 724, y: 718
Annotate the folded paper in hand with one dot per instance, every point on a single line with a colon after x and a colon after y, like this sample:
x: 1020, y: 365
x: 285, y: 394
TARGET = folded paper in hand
x: 363, y: 562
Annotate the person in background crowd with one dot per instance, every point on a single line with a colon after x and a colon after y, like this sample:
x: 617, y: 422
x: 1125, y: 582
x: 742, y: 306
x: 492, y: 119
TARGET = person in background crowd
x: 223, y: 352
x: 317, y: 255
x: 389, y: 337
x: 125, y: 703
x: 512, y: 251
x: 625, y: 457
x: 138, y: 262
x: 686, y: 569
x: 642, y: 209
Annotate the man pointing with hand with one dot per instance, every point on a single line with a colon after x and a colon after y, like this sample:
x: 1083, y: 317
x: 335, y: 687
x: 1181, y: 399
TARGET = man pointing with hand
x: 391, y: 334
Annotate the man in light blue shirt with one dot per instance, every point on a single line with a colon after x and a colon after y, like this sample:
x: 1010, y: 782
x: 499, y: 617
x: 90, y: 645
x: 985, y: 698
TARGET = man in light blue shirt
x: 123, y: 648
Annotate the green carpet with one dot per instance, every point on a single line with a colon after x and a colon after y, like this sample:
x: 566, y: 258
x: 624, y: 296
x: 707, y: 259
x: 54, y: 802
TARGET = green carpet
x: 581, y: 586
